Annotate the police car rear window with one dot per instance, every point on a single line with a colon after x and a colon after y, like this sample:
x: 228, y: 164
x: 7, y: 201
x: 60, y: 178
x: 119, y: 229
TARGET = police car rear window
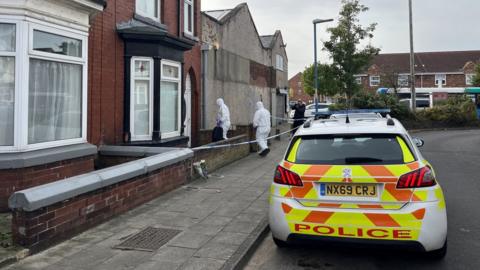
x: 350, y: 150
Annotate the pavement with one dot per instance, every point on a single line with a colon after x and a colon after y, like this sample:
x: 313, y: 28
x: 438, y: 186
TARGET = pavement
x: 219, y: 218
x: 455, y: 156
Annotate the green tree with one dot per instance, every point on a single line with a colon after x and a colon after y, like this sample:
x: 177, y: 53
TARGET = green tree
x: 476, y: 78
x: 328, y: 85
x: 344, y: 47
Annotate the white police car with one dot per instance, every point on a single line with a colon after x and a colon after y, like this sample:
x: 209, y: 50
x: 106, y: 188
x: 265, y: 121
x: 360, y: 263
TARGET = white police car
x: 361, y: 180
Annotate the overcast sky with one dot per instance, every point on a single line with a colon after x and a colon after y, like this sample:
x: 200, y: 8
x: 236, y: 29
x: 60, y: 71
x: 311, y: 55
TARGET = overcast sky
x: 438, y: 24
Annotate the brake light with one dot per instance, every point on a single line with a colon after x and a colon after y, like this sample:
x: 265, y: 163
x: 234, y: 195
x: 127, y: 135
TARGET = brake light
x: 286, y: 177
x: 417, y: 179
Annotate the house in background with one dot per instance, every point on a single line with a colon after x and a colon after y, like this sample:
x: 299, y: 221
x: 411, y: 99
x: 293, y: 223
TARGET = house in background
x: 241, y: 67
x: 436, y: 73
x: 297, y: 91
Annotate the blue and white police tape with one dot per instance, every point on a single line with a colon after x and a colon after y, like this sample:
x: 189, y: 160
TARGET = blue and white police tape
x: 290, y: 119
x: 242, y: 143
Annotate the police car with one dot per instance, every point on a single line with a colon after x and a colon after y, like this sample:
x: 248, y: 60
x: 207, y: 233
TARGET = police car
x: 358, y: 180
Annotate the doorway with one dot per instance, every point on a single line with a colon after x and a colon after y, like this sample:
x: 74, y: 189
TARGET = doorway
x: 188, y: 109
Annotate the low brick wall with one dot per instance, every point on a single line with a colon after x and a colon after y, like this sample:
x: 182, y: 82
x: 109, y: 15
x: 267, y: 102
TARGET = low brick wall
x: 216, y: 158
x: 12, y: 180
x: 39, y: 228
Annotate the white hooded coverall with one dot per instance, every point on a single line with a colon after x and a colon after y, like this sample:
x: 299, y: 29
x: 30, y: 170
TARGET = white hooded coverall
x: 223, y: 117
x: 261, y: 121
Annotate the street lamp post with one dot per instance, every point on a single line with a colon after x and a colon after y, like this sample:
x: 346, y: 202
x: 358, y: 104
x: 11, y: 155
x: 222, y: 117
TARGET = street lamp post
x: 412, y: 60
x: 315, y: 22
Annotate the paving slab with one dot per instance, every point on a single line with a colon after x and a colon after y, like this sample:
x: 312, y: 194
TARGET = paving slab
x: 219, y: 219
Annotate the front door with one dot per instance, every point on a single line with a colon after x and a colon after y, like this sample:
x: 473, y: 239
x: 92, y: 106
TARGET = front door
x: 188, y: 104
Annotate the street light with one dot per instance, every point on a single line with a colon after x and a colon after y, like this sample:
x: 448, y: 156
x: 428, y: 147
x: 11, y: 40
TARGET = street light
x: 315, y: 22
x: 413, y: 93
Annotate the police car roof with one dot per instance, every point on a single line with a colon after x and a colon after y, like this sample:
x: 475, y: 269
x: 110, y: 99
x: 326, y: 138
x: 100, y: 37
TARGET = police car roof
x: 356, y: 126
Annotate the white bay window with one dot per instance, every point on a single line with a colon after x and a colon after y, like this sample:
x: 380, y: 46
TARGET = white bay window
x: 7, y: 83
x: 141, y: 99
x: 170, y: 99
x: 42, y: 86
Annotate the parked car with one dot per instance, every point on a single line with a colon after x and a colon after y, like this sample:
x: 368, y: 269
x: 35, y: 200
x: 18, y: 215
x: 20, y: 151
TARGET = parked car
x: 363, y: 182
x: 422, y: 103
x: 322, y: 108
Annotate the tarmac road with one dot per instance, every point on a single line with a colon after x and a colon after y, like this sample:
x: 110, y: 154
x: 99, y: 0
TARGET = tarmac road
x: 455, y: 155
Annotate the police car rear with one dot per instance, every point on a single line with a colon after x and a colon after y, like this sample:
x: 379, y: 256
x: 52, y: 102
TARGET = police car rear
x: 362, y: 182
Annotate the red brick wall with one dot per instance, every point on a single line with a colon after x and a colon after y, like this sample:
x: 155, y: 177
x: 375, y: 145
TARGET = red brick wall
x: 193, y: 67
x: 106, y: 68
x: 106, y: 74
x: 18, y: 179
x: 44, y: 227
x: 296, y: 88
x: 261, y: 75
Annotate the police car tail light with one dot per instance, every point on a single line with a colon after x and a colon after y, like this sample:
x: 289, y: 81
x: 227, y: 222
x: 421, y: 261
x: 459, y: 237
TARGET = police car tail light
x: 417, y: 179
x: 286, y: 177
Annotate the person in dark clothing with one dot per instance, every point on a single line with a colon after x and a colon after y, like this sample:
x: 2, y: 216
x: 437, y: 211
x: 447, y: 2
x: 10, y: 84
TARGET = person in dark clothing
x: 299, y: 116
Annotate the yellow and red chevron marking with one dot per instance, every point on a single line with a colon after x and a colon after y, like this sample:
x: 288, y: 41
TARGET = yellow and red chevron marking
x: 384, y: 174
x: 335, y: 223
x: 411, y: 220
x: 392, y: 206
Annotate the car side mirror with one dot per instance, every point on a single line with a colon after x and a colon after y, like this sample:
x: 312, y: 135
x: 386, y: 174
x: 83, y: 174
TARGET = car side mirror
x: 418, y: 142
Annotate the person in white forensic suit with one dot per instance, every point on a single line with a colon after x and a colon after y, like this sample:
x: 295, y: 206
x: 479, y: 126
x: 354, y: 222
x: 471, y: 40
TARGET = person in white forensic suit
x: 223, y: 117
x: 262, y: 124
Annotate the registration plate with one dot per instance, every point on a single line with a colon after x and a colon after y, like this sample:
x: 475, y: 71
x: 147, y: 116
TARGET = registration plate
x: 348, y: 190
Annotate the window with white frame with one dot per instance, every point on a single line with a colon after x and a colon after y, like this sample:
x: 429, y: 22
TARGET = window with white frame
x: 403, y: 80
x: 42, y: 86
x: 279, y: 62
x: 148, y: 8
x: 7, y: 83
x: 374, y: 80
x: 170, y: 99
x: 188, y: 16
x: 56, y: 82
x: 469, y: 79
x: 141, y: 98
x: 358, y: 80
x: 440, y: 79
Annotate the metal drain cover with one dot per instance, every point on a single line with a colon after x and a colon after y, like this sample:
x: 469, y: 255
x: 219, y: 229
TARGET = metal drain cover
x: 149, y: 239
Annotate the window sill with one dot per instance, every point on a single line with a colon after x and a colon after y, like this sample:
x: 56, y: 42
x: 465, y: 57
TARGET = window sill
x: 170, y: 142
x: 44, y: 156
x: 191, y: 37
x: 150, y: 21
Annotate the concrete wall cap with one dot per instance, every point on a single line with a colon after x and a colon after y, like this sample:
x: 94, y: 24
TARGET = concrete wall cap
x: 132, y: 151
x: 44, y: 156
x: 41, y: 196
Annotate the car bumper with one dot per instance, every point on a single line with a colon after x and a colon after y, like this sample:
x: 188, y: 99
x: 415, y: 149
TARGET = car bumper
x: 292, y: 222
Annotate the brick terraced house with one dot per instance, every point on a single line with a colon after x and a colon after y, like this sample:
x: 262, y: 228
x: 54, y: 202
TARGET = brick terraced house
x: 297, y: 90
x: 78, y: 74
x: 436, y: 72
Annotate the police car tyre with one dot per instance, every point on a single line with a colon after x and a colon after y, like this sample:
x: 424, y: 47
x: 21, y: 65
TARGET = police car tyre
x: 439, y: 253
x: 280, y: 243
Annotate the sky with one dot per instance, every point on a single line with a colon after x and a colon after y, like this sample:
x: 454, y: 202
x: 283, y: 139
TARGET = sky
x: 439, y: 25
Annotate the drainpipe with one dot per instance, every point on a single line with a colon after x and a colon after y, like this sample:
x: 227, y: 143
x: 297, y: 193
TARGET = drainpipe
x: 205, y: 50
x: 179, y: 18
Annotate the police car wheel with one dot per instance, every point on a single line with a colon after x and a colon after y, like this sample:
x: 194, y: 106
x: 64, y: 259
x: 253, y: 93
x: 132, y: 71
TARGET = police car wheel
x: 280, y: 243
x: 439, y: 253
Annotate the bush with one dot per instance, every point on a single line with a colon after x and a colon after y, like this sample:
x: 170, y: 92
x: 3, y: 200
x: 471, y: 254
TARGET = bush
x: 456, y: 111
x: 367, y: 100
